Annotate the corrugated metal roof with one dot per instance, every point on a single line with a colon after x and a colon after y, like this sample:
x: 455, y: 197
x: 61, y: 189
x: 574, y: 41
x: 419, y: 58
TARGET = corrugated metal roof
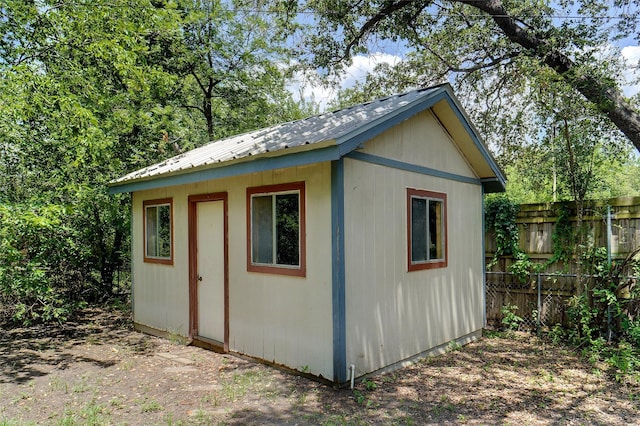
x: 337, y: 126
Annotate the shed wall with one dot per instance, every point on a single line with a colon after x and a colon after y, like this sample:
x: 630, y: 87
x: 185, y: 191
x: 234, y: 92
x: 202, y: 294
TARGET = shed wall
x: 421, y: 141
x: 281, y: 319
x: 393, y: 314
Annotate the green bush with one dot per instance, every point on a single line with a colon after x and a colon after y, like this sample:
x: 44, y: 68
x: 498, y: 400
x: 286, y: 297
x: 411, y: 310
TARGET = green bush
x: 510, y: 319
x: 39, y: 264
x: 500, y: 218
x: 601, y: 324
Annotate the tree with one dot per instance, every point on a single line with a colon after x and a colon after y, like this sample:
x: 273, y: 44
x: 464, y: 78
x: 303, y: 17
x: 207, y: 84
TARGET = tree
x: 231, y: 63
x: 88, y: 92
x: 465, y: 37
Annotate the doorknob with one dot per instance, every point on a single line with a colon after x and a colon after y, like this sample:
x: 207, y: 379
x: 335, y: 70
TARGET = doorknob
x: 199, y: 278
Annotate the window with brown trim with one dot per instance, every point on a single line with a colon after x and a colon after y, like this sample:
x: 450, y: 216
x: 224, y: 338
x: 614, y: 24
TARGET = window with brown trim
x: 158, y: 231
x: 427, y: 229
x: 276, y: 229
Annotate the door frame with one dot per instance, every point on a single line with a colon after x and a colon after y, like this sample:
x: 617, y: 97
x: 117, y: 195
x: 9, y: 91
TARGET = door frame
x: 193, y: 267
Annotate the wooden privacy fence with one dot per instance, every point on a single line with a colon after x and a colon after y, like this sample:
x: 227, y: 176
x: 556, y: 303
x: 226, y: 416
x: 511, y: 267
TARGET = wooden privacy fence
x: 542, y: 299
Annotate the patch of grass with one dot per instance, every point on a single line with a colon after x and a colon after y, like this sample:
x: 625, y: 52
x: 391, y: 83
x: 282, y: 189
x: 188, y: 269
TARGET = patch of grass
x: 11, y: 422
x: 177, y: 339
x: 336, y: 420
x: 82, y: 386
x: 301, y: 399
x: 369, y: 385
x: 453, y: 346
x: 257, y: 382
x: 57, y: 384
x: 117, y: 402
x: 91, y: 414
x: 211, y: 398
x: 493, y: 334
x: 444, y: 405
x: 151, y: 406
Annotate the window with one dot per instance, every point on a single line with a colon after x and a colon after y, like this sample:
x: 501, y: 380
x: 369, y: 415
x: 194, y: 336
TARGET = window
x: 427, y: 233
x: 158, y: 231
x: 276, y: 229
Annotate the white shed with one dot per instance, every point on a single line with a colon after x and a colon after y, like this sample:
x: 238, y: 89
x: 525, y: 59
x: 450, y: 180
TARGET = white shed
x: 354, y: 237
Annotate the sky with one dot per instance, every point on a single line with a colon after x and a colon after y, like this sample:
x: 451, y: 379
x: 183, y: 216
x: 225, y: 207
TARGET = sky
x: 632, y: 55
x: 303, y: 86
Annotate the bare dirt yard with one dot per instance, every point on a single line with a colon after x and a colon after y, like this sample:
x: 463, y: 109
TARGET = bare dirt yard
x: 97, y: 370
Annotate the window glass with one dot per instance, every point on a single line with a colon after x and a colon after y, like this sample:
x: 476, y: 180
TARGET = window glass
x: 427, y: 229
x: 262, y: 229
x: 288, y: 229
x: 418, y: 229
x: 435, y: 230
x: 276, y: 228
x: 157, y: 219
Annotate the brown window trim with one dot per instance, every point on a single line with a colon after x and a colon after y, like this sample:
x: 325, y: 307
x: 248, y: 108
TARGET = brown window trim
x: 440, y: 263
x: 155, y: 202
x: 299, y: 271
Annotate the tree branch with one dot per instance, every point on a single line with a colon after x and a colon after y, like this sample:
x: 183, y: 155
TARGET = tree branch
x: 387, y: 10
x: 604, y: 94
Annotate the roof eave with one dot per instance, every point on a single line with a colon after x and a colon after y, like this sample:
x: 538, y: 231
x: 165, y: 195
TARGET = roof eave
x: 247, y: 165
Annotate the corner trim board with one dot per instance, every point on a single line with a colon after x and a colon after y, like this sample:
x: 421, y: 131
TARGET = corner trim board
x: 338, y: 273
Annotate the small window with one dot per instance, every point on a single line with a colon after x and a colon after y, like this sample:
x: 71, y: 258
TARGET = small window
x: 427, y: 233
x: 158, y: 231
x: 276, y: 229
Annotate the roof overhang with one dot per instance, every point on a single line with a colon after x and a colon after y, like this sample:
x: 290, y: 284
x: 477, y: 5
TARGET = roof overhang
x: 439, y: 99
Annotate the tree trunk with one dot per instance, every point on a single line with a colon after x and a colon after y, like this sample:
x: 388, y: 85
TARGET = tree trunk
x: 208, y: 115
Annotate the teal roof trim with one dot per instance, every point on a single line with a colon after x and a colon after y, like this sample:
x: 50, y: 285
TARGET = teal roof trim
x: 349, y: 128
x: 236, y: 169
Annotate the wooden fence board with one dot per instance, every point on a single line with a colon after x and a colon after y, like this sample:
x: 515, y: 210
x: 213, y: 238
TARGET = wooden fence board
x: 536, y: 224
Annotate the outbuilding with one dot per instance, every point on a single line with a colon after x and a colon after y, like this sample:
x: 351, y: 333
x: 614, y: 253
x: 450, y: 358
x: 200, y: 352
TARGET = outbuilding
x: 343, y: 244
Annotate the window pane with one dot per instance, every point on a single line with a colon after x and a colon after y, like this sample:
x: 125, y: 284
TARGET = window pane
x: 164, y: 232
x: 288, y: 229
x: 262, y: 229
x: 152, y: 231
x: 435, y: 230
x: 418, y: 229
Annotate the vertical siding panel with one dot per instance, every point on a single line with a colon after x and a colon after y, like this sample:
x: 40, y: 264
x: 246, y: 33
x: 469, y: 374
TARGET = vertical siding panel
x: 393, y: 314
x: 277, y: 318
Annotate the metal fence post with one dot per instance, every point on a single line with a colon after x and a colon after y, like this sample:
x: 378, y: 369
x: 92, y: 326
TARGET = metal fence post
x: 539, y: 301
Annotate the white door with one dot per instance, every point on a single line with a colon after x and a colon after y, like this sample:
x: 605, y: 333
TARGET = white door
x: 210, y: 269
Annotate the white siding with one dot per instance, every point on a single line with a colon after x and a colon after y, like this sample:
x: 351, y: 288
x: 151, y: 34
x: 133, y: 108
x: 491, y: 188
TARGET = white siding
x: 422, y: 141
x: 161, y: 292
x: 281, y: 319
x: 393, y: 314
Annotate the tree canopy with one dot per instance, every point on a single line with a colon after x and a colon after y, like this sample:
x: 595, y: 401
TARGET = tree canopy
x: 92, y: 90
x: 507, y: 42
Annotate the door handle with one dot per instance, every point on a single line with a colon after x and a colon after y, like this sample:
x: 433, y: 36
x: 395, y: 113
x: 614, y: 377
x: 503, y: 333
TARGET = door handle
x: 199, y: 278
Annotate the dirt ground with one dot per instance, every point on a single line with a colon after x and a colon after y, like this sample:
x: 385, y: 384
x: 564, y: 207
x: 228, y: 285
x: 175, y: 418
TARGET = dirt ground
x: 97, y: 370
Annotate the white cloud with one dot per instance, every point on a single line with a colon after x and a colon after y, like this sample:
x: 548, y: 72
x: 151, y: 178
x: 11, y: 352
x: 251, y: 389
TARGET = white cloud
x: 306, y: 85
x: 632, y: 56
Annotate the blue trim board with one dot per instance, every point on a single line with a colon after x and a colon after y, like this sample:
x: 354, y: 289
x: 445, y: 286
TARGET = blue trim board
x: 483, y: 262
x: 388, y: 162
x: 258, y: 165
x: 457, y: 109
x: 338, y: 273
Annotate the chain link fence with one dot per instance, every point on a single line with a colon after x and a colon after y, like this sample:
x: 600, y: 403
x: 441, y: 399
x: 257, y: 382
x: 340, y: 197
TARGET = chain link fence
x: 540, y: 301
